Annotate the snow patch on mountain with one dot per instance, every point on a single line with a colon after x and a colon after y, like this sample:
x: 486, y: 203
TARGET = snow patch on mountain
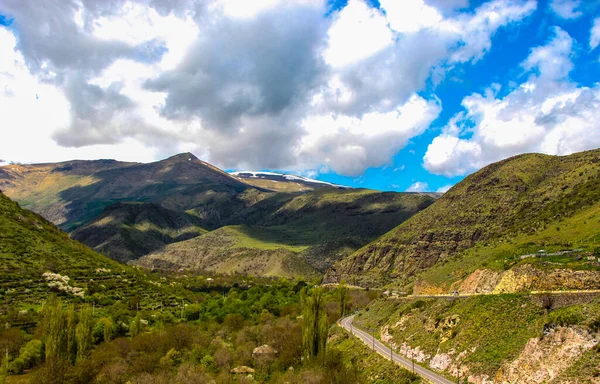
x: 271, y: 175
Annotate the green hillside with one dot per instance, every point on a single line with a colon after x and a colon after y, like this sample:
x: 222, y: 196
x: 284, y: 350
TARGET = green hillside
x: 128, y: 210
x: 73, y: 193
x: 291, y: 234
x: 233, y: 249
x: 37, y: 259
x: 126, y: 231
x: 504, y: 338
x: 507, y: 209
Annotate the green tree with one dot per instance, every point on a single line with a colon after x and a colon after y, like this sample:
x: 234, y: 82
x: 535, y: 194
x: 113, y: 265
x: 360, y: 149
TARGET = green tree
x: 135, y: 327
x: 53, y: 328
x: 70, y: 324
x: 83, y: 332
x: 343, y: 296
x: 4, y: 368
x: 314, y: 324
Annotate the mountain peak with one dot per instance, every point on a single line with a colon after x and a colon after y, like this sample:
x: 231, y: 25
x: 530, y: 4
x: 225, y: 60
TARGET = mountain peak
x: 186, y: 156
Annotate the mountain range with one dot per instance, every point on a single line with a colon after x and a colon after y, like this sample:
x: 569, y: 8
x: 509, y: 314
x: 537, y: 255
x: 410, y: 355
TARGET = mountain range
x: 182, y: 213
x: 128, y: 211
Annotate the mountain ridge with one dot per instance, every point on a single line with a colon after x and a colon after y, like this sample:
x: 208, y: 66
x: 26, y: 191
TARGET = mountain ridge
x: 521, y: 194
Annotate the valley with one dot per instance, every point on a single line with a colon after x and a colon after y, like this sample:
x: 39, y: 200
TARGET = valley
x: 493, y: 281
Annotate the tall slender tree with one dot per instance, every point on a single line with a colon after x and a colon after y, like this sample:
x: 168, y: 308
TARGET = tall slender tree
x: 314, y: 324
x: 343, y: 296
x: 4, y: 368
x: 53, y: 326
x: 83, y: 332
x: 70, y: 325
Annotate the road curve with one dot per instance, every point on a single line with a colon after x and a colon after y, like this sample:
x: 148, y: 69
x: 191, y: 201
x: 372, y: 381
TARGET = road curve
x: 384, y: 351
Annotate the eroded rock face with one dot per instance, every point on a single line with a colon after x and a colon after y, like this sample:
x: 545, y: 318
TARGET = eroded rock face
x: 543, y: 359
x: 480, y: 281
x: 441, y: 361
x: 520, y: 279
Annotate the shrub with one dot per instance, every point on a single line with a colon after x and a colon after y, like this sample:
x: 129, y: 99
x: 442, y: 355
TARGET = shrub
x: 29, y: 356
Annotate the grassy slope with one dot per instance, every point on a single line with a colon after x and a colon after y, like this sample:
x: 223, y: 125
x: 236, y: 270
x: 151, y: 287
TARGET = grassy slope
x: 524, y: 195
x: 322, y: 225
x: 239, y: 249
x: 71, y: 194
x: 369, y: 366
x: 277, y: 186
x: 493, y: 330
x: 30, y: 246
x: 126, y: 231
x: 580, y: 231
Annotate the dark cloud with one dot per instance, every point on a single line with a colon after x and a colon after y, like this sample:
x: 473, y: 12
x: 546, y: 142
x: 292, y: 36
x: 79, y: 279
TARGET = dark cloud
x: 241, y: 68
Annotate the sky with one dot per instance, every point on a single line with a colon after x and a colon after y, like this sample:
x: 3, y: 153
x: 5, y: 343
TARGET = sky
x: 408, y: 95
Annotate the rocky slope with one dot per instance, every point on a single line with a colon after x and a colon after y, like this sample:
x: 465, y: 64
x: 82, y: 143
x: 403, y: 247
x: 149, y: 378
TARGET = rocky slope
x: 512, y: 199
x: 493, y: 339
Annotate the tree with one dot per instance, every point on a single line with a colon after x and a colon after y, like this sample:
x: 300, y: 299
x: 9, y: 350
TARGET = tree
x: 343, y: 296
x: 70, y: 323
x: 4, y: 368
x: 314, y: 324
x: 135, y: 327
x: 53, y: 326
x: 83, y: 332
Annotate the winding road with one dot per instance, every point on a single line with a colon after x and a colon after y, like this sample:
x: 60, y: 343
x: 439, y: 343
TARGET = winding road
x: 384, y: 351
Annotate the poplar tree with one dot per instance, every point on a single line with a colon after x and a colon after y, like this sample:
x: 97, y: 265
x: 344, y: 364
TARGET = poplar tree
x: 314, y: 324
x: 83, y: 332
x: 70, y: 323
x: 53, y: 325
x: 135, y: 326
x: 343, y: 296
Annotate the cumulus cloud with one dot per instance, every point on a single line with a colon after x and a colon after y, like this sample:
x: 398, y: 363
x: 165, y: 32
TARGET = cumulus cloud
x: 548, y: 113
x: 261, y: 84
x: 445, y: 188
x: 419, y: 186
x: 566, y: 9
x: 595, y: 34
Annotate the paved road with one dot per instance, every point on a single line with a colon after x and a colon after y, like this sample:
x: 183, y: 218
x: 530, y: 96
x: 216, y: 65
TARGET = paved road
x: 385, y: 352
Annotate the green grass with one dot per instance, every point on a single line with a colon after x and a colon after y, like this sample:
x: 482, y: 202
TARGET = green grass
x: 492, y: 329
x: 580, y: 231
x: 30, y: 246
x: 370, y: 366
x: 487, y: 217
x: 263, y: 238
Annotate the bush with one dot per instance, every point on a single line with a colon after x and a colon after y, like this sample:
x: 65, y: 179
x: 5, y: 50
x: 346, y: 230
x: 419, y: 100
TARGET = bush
x: 29, y: 356
x: 565, y: 317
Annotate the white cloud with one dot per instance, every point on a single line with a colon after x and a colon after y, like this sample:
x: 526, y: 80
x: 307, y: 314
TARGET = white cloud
x: 358, y: 31
x: 349, y: 145
x: 410, y: 15
x: 547, y: 114
x: 595, y: 34
x: 445, y: 188
x: 245, y: 9
x: 419, y: 186
x: 257, y: 84
x: 566, y: 9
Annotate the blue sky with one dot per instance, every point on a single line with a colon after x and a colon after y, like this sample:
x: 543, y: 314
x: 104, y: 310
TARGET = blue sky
x: 501, y: 64
x: 410, y: 95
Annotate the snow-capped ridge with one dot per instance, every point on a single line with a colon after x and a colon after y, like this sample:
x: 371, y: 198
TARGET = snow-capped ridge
x: 263, y: 175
